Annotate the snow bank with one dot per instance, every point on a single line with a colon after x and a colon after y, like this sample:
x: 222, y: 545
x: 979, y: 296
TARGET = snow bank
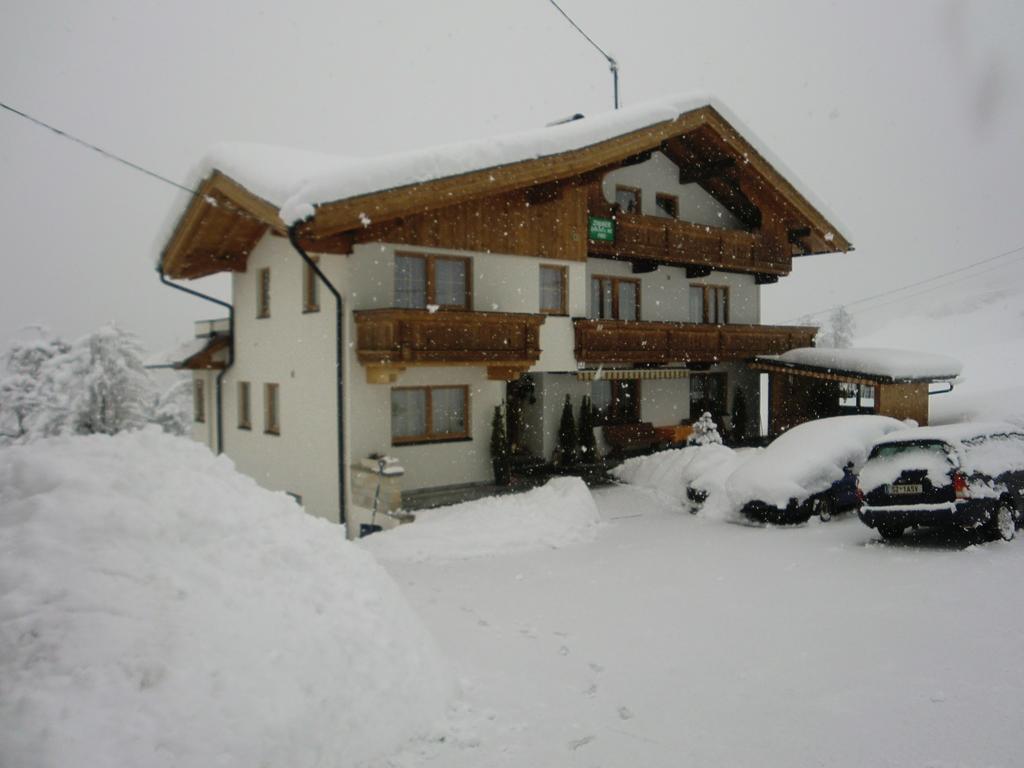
x: 159, y: 609
x: 669, y: 473
x: 807, y: 459
x: 555, y: 515
x: 892, y: 363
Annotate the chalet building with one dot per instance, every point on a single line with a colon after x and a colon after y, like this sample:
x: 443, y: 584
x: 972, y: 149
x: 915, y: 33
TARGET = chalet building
x: 388, y: 305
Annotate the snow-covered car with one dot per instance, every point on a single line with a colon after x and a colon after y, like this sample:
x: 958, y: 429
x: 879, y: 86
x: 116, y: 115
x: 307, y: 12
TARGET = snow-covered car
x: 960, y: 475
x: 808, y: 470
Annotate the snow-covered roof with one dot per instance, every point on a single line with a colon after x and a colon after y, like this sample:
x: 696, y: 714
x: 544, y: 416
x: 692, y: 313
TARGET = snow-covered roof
x: 296, y: 181
x: 893, y: 364
x: 174, y: 358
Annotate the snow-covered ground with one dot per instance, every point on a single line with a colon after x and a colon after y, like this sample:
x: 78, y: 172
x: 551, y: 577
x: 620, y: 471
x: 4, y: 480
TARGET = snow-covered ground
x: 675, y: 639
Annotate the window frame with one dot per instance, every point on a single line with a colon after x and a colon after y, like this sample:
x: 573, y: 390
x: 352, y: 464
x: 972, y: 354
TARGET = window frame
x: 198, y: 401
x: 429, y: 436
x: 563, y: 309
x: 615, y: 281
x: 637, y: 191
x: 707, y: 289
x: 430, y: 276
x: 271, y: 408
x: 663, y: 196
x: 621, y: 409
x: 310, y: 287
x: 263, y: 293
x: 244, y: 405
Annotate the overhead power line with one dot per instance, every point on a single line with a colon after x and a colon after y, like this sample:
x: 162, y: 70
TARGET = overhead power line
x: 612, y: 63
x: 102, y: 151
x: 927, y: 280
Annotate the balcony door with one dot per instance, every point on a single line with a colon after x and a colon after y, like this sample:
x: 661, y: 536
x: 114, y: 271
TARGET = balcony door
x: 614, y: 298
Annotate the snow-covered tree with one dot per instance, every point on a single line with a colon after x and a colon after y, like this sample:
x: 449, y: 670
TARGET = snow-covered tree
x: 20, y: 385
x: 705, y: 431
x: 99, y: 386
x: 838, y: 333
x: 173, y: 409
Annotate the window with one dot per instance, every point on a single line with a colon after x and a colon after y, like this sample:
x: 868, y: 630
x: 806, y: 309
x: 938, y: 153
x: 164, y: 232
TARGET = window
x: 271, y: 410
x: 198, y: 401
x: 667, y: 206
x: 263, y: 293
x: 856, y: 398
x: 708, y: 393
x: 615, y: 298
x: 615, y: 402
x: 553, y: 290
x: 421, y: 280
x: 628, y: 199
x: 244, y: 406
x: 426, y: 414
x: 709, y: 304
x: 310, y: 287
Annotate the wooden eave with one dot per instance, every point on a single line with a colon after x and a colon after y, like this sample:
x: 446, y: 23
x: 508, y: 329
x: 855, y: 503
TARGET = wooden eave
x: 221, y: 225
x: 837, y: 374
x: 204, y: 242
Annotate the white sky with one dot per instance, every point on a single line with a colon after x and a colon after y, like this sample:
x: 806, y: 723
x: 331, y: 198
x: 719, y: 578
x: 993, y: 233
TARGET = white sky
x: 904, y: 116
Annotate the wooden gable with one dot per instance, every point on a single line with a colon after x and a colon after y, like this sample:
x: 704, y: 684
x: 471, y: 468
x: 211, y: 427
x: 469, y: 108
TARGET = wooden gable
x: 536, y: 206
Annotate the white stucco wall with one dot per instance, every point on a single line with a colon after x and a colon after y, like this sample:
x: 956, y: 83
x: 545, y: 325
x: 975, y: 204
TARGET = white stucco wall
x: 659, y: 174
x: 665, y: 295
x: 205, y: 431
x: 295, y: 350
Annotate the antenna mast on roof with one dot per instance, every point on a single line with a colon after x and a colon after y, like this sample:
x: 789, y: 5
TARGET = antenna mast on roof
x: 612, y: 63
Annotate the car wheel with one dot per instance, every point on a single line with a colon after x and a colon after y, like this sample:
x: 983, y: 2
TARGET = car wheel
x: 1001, y: 524
x: 890, y: 531
x: 824, y: 508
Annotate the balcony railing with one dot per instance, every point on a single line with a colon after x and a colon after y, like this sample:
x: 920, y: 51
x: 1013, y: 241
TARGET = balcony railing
x: 620, y: 341
x: 681, y: 243
x: 389, y: 340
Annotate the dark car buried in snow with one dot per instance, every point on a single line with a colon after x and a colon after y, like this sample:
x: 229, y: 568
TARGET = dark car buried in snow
x: 808, y: 470
x: 967, y: 476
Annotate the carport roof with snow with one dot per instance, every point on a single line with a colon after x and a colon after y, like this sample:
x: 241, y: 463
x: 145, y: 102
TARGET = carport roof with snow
x: 862, y: 366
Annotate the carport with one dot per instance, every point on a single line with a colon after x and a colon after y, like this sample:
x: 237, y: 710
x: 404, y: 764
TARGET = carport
x: 817, y: 382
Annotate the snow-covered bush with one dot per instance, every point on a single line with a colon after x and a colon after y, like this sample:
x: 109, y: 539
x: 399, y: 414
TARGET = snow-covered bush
x: 96, y: 385
x: 159, y: 609
x: 705, y: 431
x: 838, y: 333
x: 21, y: 395
x: 173, y: 409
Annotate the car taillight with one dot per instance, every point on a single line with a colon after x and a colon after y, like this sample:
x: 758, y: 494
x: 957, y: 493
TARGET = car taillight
x: 960, y: 486
x: 860, y: 492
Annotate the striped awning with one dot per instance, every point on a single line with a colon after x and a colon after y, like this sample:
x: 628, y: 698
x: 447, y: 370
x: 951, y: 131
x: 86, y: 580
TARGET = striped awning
x: 644, y: 374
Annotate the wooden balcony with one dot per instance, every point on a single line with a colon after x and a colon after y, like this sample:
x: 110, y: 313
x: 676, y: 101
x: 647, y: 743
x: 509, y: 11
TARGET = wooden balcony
x: 680, y: 243
x: 620, y: 341
x: 390, y: 340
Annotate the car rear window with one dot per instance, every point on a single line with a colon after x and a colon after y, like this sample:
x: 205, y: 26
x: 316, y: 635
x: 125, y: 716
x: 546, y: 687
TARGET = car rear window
x: 888, y: 450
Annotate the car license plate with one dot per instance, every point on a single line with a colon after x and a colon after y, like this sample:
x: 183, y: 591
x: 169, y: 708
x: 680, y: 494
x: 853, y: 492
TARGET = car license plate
x: 905, y: 489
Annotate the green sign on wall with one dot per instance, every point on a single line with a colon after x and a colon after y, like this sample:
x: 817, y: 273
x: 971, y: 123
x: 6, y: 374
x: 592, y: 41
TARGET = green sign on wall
x: 601, y: 229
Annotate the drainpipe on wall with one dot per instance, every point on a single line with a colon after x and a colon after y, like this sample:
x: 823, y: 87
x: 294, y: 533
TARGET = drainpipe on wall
x: 231, y: 348
x: 293, y: 238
